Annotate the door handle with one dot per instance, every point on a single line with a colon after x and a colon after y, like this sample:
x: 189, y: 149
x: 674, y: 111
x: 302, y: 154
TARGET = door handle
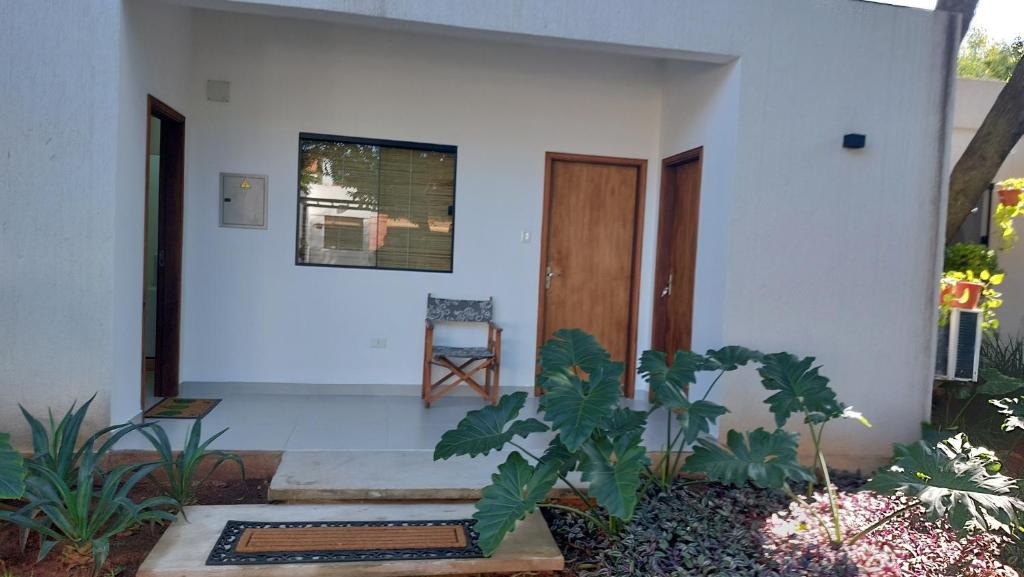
x: 668, y: 287
x: 548, y: 275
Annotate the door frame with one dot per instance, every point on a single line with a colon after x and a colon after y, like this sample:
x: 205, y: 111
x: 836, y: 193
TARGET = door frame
x: 629, y: 382
x: 691, y: 208
x: 176, y: 180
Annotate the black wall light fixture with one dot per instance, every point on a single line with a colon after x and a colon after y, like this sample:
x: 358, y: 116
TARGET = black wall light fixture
x: 854, y: 140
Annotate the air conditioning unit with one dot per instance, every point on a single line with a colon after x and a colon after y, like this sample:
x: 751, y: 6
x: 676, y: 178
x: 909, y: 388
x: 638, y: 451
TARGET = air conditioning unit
x: 959, y: 346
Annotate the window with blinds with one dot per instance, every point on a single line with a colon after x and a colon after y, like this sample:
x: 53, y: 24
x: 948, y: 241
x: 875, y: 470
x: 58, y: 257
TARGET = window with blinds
x: 375, y: 203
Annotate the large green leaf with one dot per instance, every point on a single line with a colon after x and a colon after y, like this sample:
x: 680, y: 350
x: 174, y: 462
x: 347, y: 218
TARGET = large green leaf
x: 764, y: 459
x: 698, y: 418
x: 800, y: 389
x: 624, y: 421
x: 12, y: 470
x: 569, y: 351
x: 732, y: 357
x: 669, y: 382
x: 513, y: 493
x: 996, y: 383
x: 1013, y: 410
x: 576, y: 408
x: 613, y: 469
x: 488, y: 429
x: 951, y: 481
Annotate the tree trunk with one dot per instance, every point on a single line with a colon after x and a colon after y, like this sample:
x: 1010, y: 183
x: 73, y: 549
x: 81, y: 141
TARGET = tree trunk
x: 999, y: 132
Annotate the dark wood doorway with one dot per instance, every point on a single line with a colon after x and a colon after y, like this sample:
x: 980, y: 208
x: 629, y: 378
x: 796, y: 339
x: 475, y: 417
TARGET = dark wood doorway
x: 590, y: 251
x: 165, y: 190
x: 677, y: 252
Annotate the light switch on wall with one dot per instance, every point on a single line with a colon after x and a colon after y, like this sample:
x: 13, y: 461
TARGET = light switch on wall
x: 524, y: 236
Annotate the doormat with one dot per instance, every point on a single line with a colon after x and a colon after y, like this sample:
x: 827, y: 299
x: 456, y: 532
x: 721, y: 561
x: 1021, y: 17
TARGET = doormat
x: 269, y: 543
x: 175, y: 408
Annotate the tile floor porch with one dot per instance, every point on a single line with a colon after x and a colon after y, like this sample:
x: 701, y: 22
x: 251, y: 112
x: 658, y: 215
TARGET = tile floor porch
x: 269, y: 420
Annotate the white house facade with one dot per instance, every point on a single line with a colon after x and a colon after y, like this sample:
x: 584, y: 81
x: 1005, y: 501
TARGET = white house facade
x: 801, y: 244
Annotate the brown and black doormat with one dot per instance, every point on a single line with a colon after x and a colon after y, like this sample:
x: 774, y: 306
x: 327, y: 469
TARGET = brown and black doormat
x: 178, y: 408
x: 269, y: 543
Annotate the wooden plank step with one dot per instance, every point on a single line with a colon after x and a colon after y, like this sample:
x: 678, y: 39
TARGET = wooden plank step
x: 183, y: 550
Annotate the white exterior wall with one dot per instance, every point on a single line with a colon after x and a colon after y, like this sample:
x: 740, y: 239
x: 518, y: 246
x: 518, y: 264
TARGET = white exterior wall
x: 252, y: 315
x: 797, y: 234
x: 974, y: 98
x: 58, y: 113
x: 154, y: 60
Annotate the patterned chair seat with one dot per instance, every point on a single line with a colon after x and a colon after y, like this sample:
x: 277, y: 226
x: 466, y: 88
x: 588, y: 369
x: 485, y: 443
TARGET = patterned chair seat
x: 463, y: 352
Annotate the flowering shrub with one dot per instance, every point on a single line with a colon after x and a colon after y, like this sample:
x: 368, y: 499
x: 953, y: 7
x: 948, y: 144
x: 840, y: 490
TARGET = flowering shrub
x: 908, y: 546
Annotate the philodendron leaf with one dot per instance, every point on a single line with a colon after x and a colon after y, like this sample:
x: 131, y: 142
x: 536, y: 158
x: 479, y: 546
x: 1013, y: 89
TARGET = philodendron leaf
x: 624, y: 421
x: 575, y: 408
x: 12, y: 470
x: 613, y: 470
x: 569, y: 351
x: 488, y: 429
x: 996, y: 383
x: 800, y: 389
x: 732, y: 357
x: 951, y: 483
x: 698, y: 418
x: 1013, y: 410
x: 764, y: 459
x: 513, y: 493
x: 669, y: 383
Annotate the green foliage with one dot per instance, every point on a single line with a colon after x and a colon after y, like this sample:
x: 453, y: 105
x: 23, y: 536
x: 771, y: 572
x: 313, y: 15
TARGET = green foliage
x: 12, y: 470
x: 800, y: 389
x: 983, y: 57
x: 994, y: 383
x: 570, y: 352
x: 488, y: 429
x: 1012, y: 410
x: 965, y: 256
x: 731, y: 358
x: 83, y: 515
x: 180, y: 471
x: 514, y: 492
x: 56, y: 447
x: 593, y: 435
x: 670, y: 383
x: 766, y: 460
x: 577, y: 408
x: 1004, y: 354
x: 952, y: 481
x: 613, y: 468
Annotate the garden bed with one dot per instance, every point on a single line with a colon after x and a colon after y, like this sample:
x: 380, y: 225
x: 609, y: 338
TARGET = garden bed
x: 716, y: 530
x: 129, y: 549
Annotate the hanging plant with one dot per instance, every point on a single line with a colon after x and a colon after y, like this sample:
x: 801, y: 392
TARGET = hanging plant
x: 1009, y: 208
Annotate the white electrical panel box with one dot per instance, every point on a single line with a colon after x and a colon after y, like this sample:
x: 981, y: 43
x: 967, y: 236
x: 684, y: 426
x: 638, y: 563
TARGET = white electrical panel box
x: 243, y: 200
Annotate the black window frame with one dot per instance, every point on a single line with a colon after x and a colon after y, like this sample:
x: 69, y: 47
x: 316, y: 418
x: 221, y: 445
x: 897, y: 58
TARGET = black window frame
x: 379, y: 142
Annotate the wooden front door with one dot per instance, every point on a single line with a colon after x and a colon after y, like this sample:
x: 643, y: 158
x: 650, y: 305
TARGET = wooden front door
x: 590, y: 251
x: 166, y: 158
x: 677, y: 252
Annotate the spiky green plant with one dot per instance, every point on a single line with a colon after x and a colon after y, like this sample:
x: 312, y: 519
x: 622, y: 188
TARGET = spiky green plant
x: 83, y: 515
x: 180, y: 470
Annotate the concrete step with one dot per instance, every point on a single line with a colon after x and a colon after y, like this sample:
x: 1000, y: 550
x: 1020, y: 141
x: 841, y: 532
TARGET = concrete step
x: 339, y: 476
x: 183, y: 550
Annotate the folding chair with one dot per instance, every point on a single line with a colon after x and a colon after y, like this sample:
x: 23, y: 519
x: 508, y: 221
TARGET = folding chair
x: 461, y: 362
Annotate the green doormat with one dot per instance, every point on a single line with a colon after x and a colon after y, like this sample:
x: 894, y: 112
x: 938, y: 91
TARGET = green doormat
x: 176, y: 408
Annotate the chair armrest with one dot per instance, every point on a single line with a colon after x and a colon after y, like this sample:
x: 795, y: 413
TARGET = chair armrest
x: 494, y: 326
x: 429, y: 324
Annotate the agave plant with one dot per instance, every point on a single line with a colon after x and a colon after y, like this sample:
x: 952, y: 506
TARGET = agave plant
x: 58, y: 448
x: 12, y: 470
x: 180, y: 471
x: 593, y: 435
x: 84, y: 514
